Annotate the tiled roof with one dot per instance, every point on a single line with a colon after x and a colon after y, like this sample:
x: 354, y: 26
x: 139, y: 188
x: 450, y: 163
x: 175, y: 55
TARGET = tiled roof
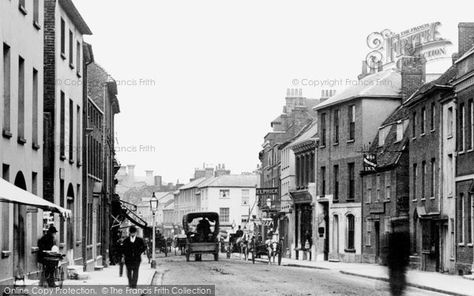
x: 192, y: 184
x: 390, y: 152
x: 465, y: 55
x: 231, y: 181
x: 400, y: 113
x: 385, y: 83
x: 442, y: 81
x: 307, y: 133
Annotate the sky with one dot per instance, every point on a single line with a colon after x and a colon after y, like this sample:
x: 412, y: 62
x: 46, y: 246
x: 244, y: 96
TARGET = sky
x: 200, y: 81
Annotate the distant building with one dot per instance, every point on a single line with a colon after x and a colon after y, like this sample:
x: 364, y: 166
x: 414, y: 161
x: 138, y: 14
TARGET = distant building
x: 297, y: 113
x: 233, y: 197
x: 102, y: 106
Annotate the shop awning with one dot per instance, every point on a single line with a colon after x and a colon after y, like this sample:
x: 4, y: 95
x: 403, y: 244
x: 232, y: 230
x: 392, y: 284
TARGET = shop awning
x: 9, y: 193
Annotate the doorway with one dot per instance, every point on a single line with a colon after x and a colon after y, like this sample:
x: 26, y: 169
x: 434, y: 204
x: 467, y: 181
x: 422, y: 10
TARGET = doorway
x: 335, y: 234
x: 326, y: 231
x: 70, y: 225
x: 377, y: 240
x: 283, y: 231
x: 445, y: 248
x: 19, y: 231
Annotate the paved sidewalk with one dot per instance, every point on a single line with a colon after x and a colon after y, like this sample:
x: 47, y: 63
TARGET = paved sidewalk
x: 432, y: 281
x: 110, y: 276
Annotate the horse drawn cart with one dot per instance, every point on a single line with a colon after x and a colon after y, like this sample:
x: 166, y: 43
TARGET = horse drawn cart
x: 202, y: 229
x: 179, y: 242
x: 270, y: 248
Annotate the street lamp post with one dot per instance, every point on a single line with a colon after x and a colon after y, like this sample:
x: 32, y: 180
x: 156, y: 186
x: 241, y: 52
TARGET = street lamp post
x: 153, y: 207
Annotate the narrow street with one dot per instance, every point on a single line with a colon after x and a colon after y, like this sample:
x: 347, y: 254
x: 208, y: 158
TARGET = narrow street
x: 236, y: 277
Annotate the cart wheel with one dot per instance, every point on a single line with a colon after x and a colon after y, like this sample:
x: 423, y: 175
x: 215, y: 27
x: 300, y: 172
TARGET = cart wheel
x: 216, y: 256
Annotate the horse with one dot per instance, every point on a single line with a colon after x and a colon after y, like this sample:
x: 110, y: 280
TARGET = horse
x: 243, y: 245
x: 274, y: 250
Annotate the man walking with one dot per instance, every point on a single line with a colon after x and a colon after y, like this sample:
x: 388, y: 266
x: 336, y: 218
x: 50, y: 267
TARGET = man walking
x: 133, y: 247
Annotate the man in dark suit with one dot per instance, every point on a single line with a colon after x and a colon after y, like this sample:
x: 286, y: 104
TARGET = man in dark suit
x: 132, y: 248
x: 46, y: 243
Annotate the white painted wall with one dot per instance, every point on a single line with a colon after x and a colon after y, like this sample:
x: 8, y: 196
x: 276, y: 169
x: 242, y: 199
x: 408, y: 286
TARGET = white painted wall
x: 211, y: 201
x: 18, y: 32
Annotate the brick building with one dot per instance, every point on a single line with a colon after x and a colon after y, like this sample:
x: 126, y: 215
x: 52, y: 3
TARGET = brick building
x: 385, y: 186
x: 348, y: 122
x: 102, y: 92
x: 302, y: 228
x: 297, y: 113
x: 464, y: 89
x: 64, y: 29
x: 429, y: 206
x: 21, y: 123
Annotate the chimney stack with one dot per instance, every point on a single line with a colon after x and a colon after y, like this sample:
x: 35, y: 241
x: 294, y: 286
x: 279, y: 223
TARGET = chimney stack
x: 158, y: 181
x: 465, y: 37
x: 131, y: 170
x: 149, y: 180
x: 413, y: 74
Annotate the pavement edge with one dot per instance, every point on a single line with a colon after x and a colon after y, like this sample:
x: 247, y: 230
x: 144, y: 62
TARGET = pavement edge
x: 423, y: 287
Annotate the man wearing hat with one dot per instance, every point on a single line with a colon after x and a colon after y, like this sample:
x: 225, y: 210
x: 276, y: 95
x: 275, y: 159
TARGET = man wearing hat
x: 46, y: 243
x: 132, y: 248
